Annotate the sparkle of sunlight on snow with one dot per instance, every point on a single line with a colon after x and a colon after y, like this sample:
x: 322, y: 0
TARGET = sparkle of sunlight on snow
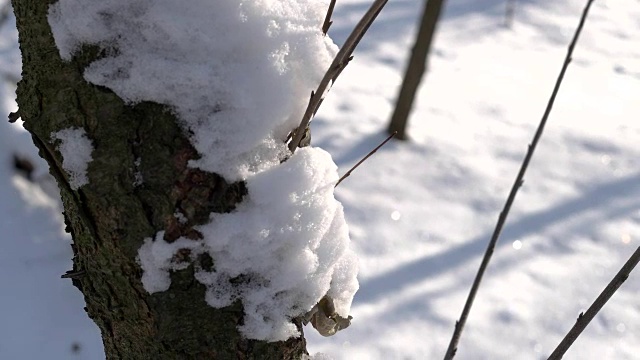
x: 537, y: 347
x: 621, y: 327
x: 517, y: 244
x: 395, y: 215
x: 626, y: 238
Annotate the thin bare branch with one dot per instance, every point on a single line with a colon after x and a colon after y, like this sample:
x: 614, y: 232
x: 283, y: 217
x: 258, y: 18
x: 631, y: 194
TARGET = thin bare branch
x: 605, y: 295
x: 327, y: 20
x: 453, y: 345
x: 339, y: 63
x: 365, y: 158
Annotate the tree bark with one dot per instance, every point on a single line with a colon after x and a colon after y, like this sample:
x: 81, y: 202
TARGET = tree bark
x: 110, y: 217
x: 415, y: 69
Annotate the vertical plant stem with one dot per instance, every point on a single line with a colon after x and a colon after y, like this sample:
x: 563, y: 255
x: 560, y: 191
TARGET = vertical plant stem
x: 453, y: 345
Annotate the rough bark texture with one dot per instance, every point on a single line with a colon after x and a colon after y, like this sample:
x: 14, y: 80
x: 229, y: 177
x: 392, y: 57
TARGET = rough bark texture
x: 110, y: 217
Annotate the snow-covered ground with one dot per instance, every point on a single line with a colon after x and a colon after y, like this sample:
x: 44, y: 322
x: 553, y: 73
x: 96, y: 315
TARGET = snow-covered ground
x: 421, y: 212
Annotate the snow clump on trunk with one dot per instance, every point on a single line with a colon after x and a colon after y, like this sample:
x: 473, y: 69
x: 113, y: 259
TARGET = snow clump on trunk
x: 237, y: 74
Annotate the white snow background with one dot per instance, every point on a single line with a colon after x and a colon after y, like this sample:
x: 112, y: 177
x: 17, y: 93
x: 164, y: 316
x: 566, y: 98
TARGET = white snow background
x: 421, y: 212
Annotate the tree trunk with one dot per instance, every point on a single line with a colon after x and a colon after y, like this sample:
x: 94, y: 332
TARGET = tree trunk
x: 110, y: 217
x: 415, y: 69
x: 510, y: 12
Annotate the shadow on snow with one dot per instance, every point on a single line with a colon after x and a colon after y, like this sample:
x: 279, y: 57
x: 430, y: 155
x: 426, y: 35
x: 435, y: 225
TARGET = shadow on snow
x: 600, y: 196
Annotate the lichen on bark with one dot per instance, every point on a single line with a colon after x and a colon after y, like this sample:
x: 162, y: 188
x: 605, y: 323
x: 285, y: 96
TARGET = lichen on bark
x: 110, y: 217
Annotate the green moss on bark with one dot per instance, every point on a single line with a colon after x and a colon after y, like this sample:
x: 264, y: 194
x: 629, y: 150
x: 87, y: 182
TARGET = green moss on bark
x: 110, y: 217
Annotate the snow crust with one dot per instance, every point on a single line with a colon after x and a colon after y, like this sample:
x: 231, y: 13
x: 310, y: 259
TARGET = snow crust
x: 76, y: 149
x: 237, y: 74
